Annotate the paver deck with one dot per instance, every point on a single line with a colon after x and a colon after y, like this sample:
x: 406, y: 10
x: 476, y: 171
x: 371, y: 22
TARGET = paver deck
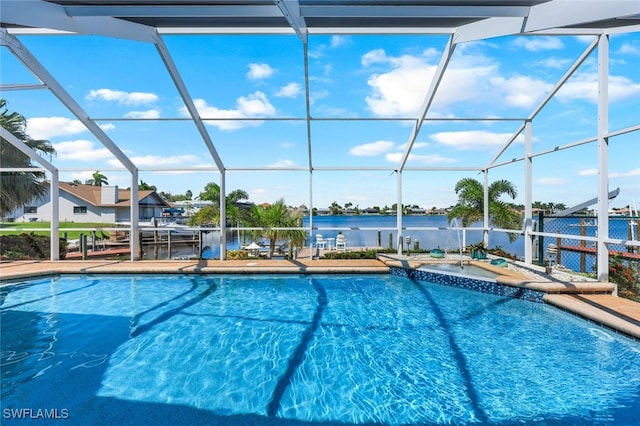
x: 616, y: 313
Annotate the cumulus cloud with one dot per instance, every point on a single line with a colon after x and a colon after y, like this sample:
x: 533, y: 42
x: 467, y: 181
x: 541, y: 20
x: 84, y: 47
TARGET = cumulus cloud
x: 588, y: 172
x: 253, y: 105
x: 555, y: 63
x: 150, y: 113
x: 49, y: 127
x: 282, y: 164
x: 471, y: 139
x: 338, y: 41
x: 291, y: 90
x: 82, y: 150
x: 629, y: 49
x: 259, y: 71
x: 373, y: 57
x: 395, y: 157
x: 536, y: 44
x: 630, y: 173
x: 161, y: 161
x: 371, y: 149
x: 584, y: 86
x: 124, y: 98
x: 401, y: 90
x: 521, y: 91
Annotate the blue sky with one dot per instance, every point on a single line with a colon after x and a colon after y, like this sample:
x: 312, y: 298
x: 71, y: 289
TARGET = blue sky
x: 351, y: 77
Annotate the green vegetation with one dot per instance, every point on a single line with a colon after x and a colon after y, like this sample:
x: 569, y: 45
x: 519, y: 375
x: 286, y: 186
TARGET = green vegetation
x: 98, y: 179
x: 277, y: 215
x: 19, y: 188
x: 211, y: 214
x: 470, y: 207
x: 18, y: 228
x: 627, y: 275
x: 28, y: 246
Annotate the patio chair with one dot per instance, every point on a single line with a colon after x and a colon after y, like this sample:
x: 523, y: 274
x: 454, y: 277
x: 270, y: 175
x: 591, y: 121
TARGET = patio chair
x: 341, y: 243
x: 320, y: 241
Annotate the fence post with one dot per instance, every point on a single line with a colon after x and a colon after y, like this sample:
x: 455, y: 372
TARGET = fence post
x: 583, y: 244
x: 541, y: 238
x: 83, y: 246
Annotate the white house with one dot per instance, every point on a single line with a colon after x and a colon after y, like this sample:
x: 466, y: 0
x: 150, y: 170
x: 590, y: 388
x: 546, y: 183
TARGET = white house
x: 88, y: 203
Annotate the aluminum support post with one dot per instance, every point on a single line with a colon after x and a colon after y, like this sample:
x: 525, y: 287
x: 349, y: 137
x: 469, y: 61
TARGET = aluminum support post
x: 602, y: 267
x: 528, y: 197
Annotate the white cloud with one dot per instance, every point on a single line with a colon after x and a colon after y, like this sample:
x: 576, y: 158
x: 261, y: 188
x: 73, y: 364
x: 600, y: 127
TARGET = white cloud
x: 253, y: 105
x: 552, y: 181
x: 401, y: 90
x: 338, y: 40
x: 629, y: 49
x: 282, y: 164
x: 151, y: 113
x: 521, y: 91
x: 588, y: 172
x: 259, y: 71
x: 124, y: 98
x: 395, y: 157
x: 584, y: 86
x: 49, y: 127
x: 471, y: 139
x: 291, y: 90
x: 82, y: 150
x: 107, y: 126
x: 630, y: 173
x: 373, y: 57
x: 536, y: 44
x: 371, y: 149
x: 555, y: 63
x: 161, y: 161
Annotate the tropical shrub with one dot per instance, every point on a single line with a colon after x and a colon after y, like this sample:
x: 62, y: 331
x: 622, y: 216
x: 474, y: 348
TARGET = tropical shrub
x: 28, y: 246
x: 627, y: 276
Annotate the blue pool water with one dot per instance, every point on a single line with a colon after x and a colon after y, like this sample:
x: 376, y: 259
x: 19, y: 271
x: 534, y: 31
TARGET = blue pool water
x: 140, y: 349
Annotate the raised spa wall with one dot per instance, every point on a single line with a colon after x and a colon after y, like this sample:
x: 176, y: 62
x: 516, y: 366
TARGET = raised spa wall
x: 469, y: 283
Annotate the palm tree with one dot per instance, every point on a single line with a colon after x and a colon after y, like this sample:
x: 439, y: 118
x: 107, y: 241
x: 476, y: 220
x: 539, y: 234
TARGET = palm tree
x: 19, y: 188
x: 277, y: 215
x: 470, y: 207
x: 98, y: 179
x: 144, y: 186
x: 211, y: 214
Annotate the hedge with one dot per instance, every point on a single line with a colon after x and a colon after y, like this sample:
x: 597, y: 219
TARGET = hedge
x: 28, y: 246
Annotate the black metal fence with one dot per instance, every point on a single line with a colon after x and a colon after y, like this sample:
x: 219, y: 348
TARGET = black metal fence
x: 580, y: 254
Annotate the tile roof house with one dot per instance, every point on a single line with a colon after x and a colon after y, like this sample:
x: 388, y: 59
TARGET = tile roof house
x: 88, y: 203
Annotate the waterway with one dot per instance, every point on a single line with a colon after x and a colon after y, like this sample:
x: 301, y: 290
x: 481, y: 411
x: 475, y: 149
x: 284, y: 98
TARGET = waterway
x: 381, y: 231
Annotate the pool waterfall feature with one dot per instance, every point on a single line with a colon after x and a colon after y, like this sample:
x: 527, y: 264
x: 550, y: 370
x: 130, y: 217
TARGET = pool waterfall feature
x: 474, y: 277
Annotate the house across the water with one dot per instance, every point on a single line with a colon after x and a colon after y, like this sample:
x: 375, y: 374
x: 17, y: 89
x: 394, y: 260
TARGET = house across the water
x: 89, y: 203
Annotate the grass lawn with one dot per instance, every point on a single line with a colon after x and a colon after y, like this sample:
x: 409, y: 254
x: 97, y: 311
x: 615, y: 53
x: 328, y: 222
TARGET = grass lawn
x: 17, y: 228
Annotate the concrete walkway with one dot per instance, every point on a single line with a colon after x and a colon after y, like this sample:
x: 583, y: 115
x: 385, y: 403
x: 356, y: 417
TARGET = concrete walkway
x: 590, y: 300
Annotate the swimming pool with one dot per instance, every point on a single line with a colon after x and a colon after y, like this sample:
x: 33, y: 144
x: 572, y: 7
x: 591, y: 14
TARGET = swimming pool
x: 288, y: 349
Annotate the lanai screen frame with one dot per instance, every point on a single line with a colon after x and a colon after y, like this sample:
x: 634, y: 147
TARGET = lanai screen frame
x: 482, y: 21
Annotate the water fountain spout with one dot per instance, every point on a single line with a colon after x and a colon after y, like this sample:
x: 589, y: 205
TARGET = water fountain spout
x: 455, y: 223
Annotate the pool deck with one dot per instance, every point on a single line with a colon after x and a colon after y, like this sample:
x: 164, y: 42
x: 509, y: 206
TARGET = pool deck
x: 591, y: 300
